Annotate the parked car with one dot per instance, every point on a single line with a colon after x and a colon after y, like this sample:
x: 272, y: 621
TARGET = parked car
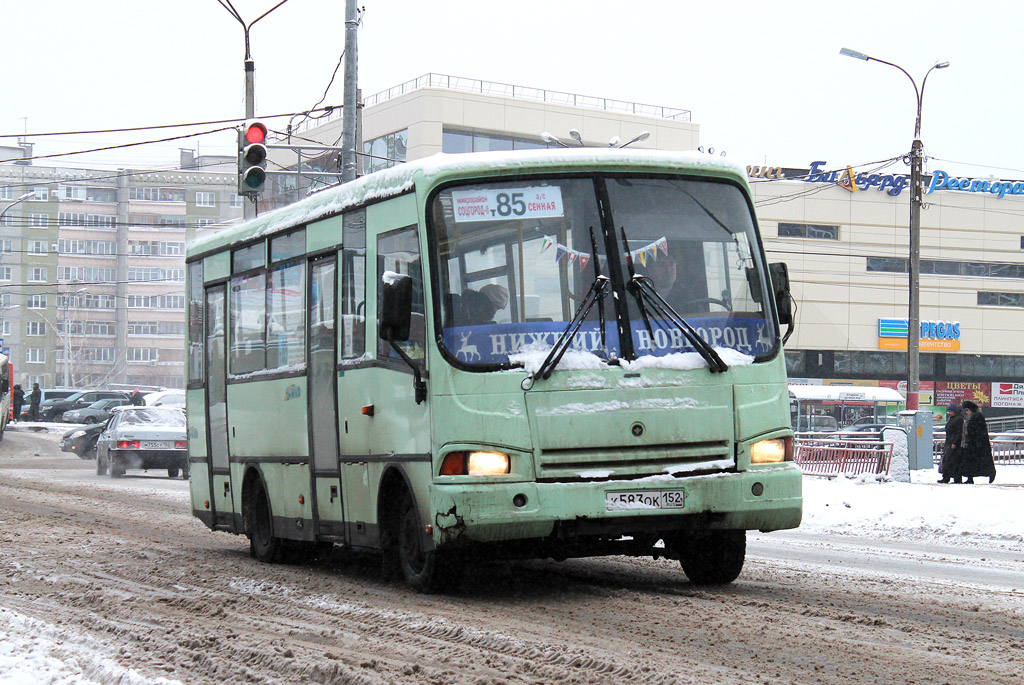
x: 143, y: 438
x: 48, y: 394
x: 97, y: 412
x: 165, y: 398
x: 82, y: 440
x: 53, y: 410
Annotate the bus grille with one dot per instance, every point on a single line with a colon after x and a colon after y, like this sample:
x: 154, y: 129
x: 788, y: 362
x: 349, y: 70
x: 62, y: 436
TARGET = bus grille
x: 622, y: 463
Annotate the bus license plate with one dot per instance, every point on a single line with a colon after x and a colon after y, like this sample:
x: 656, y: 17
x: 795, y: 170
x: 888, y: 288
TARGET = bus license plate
x: 154, y: 444
x: 645, y: 499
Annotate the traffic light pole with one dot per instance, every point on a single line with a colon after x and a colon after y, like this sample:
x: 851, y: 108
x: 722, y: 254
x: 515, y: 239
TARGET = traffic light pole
x: 249, y: 203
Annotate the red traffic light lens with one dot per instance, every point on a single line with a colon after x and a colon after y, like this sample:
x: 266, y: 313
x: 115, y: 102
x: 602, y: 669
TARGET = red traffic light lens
x: 255, y: 133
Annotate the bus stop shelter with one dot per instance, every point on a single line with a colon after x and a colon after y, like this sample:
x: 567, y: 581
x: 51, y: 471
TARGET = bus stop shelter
x: 810, y: 402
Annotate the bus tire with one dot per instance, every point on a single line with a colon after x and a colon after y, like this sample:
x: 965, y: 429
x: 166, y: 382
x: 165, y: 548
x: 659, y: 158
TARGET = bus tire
x: 101, y: 466
x: 713, y: 557
x: 263, y: 544
x: 426, y: 571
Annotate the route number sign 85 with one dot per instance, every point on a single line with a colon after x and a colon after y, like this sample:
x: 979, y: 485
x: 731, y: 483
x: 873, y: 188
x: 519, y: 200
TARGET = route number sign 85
x: 502, y: 204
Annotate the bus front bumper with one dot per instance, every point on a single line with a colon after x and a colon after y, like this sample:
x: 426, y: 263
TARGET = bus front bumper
x: 764, y: 499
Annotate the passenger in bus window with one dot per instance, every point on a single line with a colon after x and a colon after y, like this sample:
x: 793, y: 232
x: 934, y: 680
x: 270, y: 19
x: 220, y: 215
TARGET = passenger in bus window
x: 480, y: 307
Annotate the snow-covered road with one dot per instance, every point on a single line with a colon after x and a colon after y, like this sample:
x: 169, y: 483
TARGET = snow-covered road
x: 107, y: 580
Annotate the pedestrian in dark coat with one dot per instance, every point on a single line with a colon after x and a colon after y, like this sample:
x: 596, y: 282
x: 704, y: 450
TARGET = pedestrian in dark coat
x: 18, y: 399
x: 136, y: 399
x: 33, y: 401
x: 976, y: 459
x: 950, y: 465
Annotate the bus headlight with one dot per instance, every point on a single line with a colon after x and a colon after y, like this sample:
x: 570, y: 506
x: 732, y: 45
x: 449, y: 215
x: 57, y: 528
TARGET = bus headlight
x: 771, y: 451
x: 475, y: 463
x: 487, y: 463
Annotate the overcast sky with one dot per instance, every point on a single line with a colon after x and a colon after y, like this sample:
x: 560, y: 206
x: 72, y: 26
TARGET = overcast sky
x: 764, y: 80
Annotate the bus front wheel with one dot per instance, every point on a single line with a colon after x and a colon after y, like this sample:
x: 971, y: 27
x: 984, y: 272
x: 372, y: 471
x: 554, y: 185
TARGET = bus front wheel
x: 263, y: 545
x: 427, y: 571
x: 713, y: 557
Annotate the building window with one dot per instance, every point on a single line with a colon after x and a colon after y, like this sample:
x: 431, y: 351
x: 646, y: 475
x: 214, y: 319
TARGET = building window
x: 5, y: 273
x: 949, y: 268
x: 102, y: 355
x: 35, y: 328
x: 385, y: 151
x: 36, y: 302
x: 39, y: 220
x: 99, y: 328
x: 7, y: 193
x: 204, y: 199
x: 988, y: 299
x: 37, y: 247
x: 35, y: 355
x: 37, y: 274
x: 813, y: 231
x: 236, y: 203
x: 149, y: 194
x: 143, y: 354
x: 5, y: 328
x: 6, y: 246
x: 40, y: 194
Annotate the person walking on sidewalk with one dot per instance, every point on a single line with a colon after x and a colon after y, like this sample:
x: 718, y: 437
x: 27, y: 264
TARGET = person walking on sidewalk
x: 976, y: 459
x: 951, y: 451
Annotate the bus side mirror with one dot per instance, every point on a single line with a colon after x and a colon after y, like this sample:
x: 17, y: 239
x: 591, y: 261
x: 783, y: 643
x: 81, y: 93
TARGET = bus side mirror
x: 779, y: 273
x: 395, y: 306
x: 780, y: 289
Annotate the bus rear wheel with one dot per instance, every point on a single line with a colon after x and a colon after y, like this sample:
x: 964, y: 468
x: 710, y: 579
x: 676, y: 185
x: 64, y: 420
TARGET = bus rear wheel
x: 263, y: 545
x: 426, y: 571
x: 713, y: 557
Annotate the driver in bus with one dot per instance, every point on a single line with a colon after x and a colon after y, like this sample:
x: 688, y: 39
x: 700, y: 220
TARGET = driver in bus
x: 480, y: 307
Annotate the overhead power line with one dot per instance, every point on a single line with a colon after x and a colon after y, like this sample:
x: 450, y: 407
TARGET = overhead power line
x: 233, y: 120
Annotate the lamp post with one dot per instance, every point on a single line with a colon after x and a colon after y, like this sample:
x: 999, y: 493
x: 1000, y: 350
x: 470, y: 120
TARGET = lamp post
x: 20, y: 199
x: 914, y: 265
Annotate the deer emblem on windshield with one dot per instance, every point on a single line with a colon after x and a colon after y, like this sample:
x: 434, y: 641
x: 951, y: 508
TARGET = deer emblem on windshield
x: 467, y: 351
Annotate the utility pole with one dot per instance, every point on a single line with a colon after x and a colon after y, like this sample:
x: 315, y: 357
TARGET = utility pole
x: 348, y: 130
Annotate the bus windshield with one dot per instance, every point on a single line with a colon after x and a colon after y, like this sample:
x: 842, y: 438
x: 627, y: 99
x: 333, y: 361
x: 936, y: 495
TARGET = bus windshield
x: 516, y: 258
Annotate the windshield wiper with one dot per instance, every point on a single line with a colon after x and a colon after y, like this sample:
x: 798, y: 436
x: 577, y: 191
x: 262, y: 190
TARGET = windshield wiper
x: 598, y: 290
x: 646, y: 295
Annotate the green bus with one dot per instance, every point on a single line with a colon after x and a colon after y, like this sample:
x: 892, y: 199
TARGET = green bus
x: 550, y: 353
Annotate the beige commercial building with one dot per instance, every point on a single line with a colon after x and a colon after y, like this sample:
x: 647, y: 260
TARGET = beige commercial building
x: 843, y: 232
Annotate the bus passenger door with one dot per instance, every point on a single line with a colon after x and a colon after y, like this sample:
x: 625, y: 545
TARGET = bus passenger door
x: 322, y: 398
x: 217, y: 408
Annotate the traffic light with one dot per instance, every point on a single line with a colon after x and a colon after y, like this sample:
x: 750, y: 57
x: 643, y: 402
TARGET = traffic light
x: 252, y: 158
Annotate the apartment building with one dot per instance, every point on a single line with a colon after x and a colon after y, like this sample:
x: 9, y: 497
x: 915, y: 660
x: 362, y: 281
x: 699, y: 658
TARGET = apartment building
x: 92, y: 268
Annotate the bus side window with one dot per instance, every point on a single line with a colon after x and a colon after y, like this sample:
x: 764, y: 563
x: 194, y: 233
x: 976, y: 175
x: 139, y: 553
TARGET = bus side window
x: 399, y: 251
x: 353, y: 286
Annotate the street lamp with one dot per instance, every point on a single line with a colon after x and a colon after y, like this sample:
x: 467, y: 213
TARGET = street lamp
x: 20, y: 199
x: 914, y: 305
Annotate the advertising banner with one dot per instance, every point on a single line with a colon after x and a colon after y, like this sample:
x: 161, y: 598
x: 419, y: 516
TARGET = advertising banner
x: 1008, y: 395
x: 926, y: 390
x: 958, y: 391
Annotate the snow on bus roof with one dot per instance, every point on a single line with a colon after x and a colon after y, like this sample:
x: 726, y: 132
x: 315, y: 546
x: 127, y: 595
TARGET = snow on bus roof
x: 404, y: 177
